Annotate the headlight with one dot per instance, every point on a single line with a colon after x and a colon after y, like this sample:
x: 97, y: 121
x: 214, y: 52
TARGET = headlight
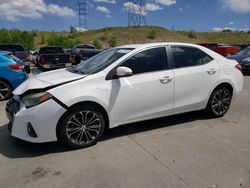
x: 34, y: 99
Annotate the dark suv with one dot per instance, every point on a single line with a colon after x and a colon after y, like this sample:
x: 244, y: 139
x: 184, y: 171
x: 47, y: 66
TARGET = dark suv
x: 19, y: 51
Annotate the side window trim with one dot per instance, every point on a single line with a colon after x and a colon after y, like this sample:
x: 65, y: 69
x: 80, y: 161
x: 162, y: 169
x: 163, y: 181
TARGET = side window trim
x: 170, y: 57
x: 173, y: 60
x: 111, y: 73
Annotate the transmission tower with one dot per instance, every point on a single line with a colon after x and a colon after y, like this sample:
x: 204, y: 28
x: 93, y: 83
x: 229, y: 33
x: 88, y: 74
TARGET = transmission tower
x: 136, y: 13
x: 81, y: 8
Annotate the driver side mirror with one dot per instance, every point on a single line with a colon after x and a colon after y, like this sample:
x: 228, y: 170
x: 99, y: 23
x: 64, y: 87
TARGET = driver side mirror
x: 123, y: 72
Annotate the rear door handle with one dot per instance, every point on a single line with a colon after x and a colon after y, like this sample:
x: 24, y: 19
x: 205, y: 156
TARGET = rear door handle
x: 165, y: 80
x: 211, y: 71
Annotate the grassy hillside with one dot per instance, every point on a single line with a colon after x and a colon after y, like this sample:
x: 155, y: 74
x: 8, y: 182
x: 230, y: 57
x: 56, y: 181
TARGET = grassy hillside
x: 127, y: 35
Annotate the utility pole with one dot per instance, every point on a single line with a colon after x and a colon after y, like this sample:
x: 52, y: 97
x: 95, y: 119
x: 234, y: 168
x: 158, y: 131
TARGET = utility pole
x: 137, y: 13
x: 81, y: 8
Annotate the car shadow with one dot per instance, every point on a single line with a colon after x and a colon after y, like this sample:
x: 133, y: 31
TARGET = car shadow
x: 14, y: 148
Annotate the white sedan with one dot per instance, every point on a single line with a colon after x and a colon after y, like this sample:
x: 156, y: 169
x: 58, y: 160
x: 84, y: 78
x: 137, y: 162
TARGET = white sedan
x: 119, y: 86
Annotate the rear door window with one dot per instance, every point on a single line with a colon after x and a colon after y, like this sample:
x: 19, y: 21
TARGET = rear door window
x: 189, y: 56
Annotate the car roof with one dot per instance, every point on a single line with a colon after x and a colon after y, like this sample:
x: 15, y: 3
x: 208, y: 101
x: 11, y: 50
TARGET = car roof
x: 148, y: 45
x: 51, y: 47
x: 10, y: 44
x: 5, y: 52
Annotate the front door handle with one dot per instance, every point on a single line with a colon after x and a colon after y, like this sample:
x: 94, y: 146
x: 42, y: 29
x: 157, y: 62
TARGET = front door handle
x: 165, y: 80
x: 211, y: 71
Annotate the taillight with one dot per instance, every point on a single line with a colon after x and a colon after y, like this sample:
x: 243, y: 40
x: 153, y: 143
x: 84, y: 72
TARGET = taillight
x: 16, y: 67
x: 27, y: 56
x: 239, y: 67
x: 71, y: 58
x: 81, y: 53
x: 42, y: 60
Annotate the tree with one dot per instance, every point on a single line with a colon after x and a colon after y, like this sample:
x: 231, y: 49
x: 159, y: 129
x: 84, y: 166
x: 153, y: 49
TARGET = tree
x: 73, y: 29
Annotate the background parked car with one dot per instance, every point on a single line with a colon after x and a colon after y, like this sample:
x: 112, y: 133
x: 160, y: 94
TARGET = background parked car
x: 221, y: 49
x: 12, y: 74
x: 243, y: 58
x: 32, y: 57
x: 19, y: 51
x: 84, y: 51
x: 53, y: 57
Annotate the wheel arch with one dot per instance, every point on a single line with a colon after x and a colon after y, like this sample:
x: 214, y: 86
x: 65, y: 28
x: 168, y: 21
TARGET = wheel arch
x: 9, y: 83
x: 226, y: 84
x: 95, y: 104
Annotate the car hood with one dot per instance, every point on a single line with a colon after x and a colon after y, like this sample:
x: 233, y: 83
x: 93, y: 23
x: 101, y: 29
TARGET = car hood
x: 47, y: 80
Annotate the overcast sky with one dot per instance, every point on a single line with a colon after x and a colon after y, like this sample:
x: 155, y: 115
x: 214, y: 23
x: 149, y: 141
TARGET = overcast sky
x: 57, y: 15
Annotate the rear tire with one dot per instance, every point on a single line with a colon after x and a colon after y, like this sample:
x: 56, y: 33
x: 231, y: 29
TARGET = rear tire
x: 5, y: 90
x: 219, y: 102
x: 82, y: 126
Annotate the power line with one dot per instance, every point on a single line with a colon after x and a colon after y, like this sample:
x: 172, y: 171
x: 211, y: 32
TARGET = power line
x: 82, y: 12
x: 136, y: 13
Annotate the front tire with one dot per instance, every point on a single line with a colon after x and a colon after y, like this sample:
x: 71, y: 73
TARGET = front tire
x: 219, y: 102
x: 5, y: 90
x: 83, y: 126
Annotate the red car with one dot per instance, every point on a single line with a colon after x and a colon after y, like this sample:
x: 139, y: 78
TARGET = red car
x: 222, y: 49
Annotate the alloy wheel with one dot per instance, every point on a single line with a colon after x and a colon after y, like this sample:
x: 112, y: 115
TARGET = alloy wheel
x: 221, y: 102
x: 4, y: 90
x: 83, y: 127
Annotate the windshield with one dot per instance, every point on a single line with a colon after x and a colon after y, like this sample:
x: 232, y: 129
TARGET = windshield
x: 100, y: 61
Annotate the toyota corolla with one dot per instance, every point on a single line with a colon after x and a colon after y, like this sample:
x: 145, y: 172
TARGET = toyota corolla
x: 119, y: 86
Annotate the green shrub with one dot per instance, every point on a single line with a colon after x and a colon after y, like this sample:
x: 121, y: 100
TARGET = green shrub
x: 34, y: 32
x: 5, y: 36
x: 191, y: 34
x: 43, y: 40
x: 73, y: 29
x: 152, y: 34
x: 17, y: 36
x: 112, y: 42
x: 60, y: 40
x: 227, y: 31
x: 97, y: 44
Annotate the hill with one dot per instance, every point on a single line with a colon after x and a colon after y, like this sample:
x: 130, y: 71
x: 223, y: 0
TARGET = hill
x: 113, y: 36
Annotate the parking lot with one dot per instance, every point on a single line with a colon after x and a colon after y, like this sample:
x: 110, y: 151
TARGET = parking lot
x: 186, y: 150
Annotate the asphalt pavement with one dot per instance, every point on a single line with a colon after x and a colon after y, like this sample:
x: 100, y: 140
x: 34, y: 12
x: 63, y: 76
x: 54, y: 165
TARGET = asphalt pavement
x: 186, y: 150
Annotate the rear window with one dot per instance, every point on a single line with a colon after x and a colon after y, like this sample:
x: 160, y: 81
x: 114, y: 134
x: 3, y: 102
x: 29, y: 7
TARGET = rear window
x: 51, y: 50
x: 4, y: 59
x: 85, y: 47
x: 11, y: 56
x: 11, y: 48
